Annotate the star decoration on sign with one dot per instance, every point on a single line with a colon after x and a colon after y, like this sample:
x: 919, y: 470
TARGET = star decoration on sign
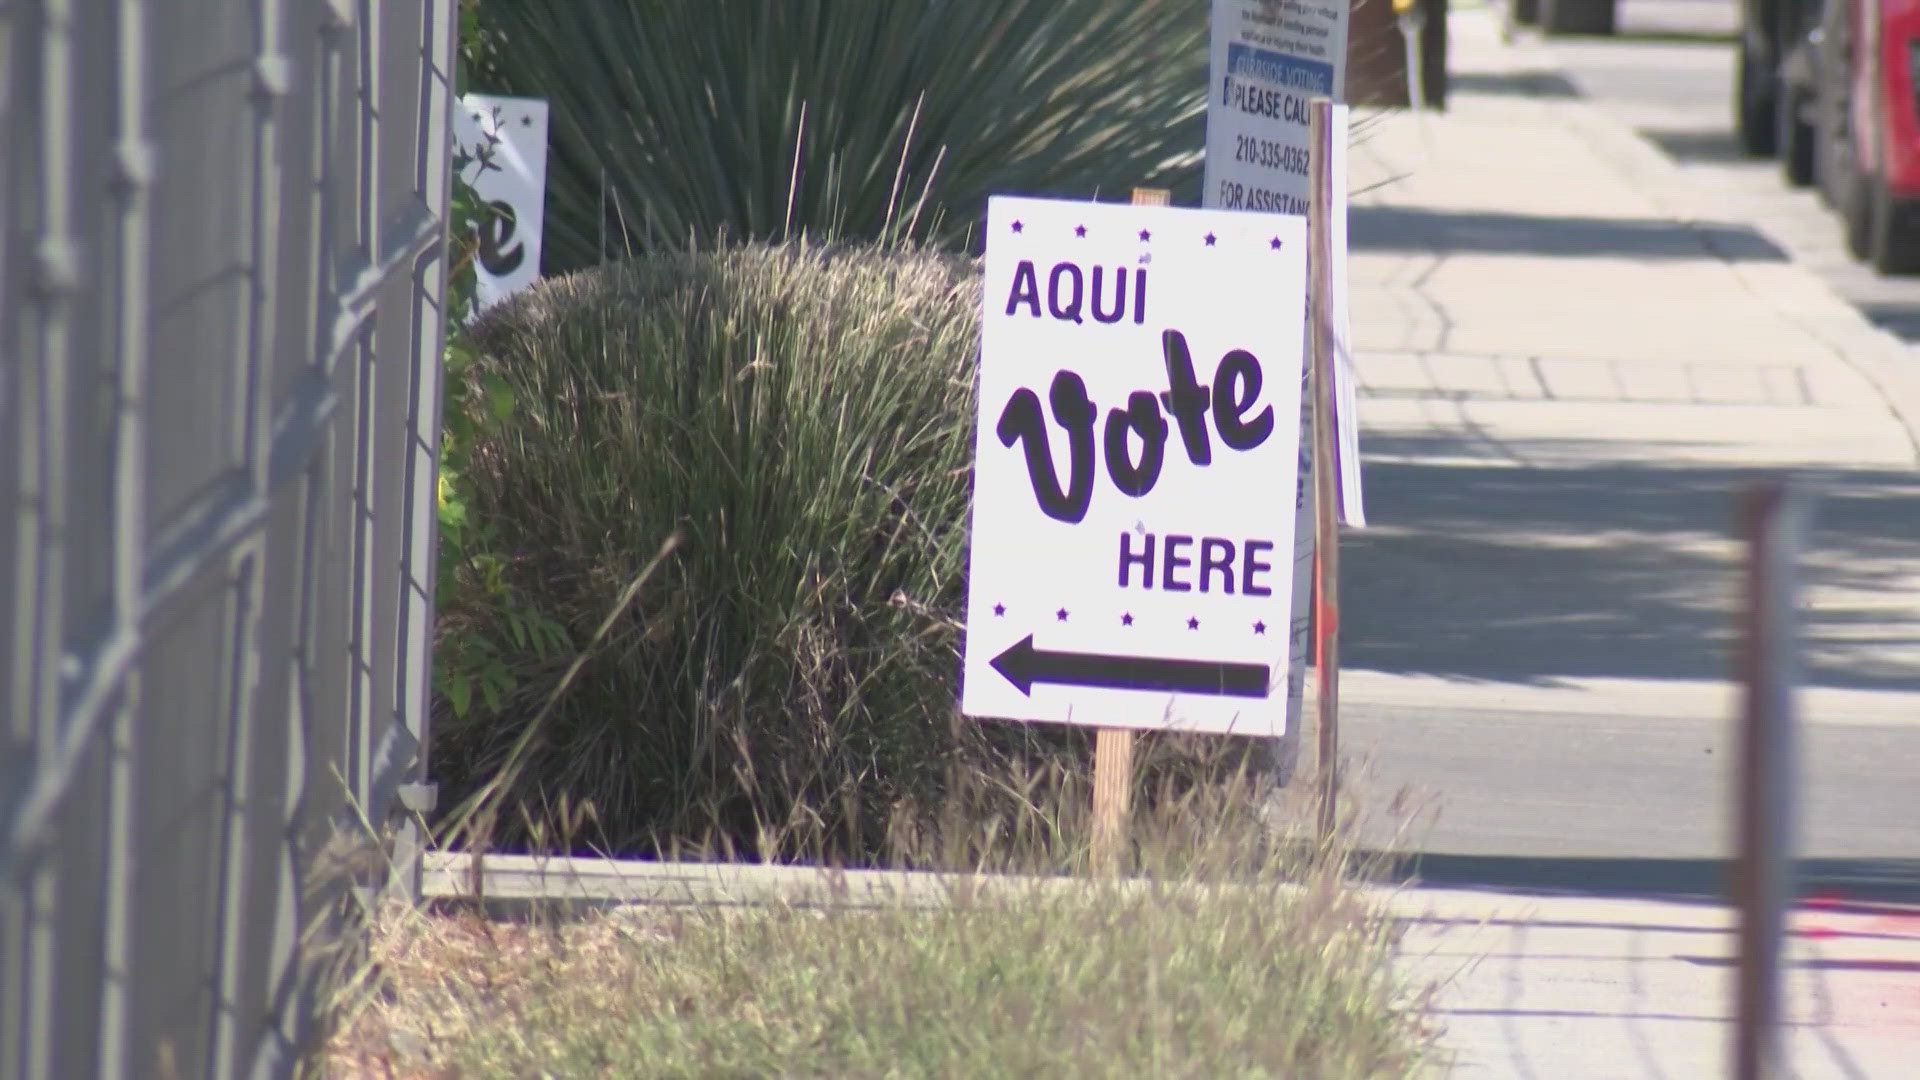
x: 1080, y: 231
x: 1193, y: 623
x: 1145, y: 235
x: 1210, y: 239
x: 1127, y: 619
x: 1061, y: 615
x: 526, y: 121
x: 999, y: 610
x: 1259, y: 627
x: 1019, y: 226
x: 1274, y: 243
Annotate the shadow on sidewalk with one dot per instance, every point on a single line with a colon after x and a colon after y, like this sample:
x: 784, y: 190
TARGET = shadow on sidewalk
x: 1683, y: 880
x: 1397, y: 228
x: 1533, y: 573
x: 1900, y: 320
x: 1690, y: 147
x: 1538, y: 83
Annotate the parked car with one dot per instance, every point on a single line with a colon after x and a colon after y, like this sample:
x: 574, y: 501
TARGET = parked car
x: 1868, y: 156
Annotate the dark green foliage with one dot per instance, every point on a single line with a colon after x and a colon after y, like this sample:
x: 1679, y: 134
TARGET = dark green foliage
x: 675, y: 121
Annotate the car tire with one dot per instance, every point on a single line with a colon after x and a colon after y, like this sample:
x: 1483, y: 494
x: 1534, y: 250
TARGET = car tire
x: 1794, y: 139
x: 1856, y: 213
x: 1891, y: 246
x: 1835, y: 165
x: 1826, y: 164
x: 1755, y: 102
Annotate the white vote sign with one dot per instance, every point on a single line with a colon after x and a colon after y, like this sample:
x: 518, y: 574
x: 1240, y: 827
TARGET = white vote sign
x: 500, y: 149
x: 1134, y: 467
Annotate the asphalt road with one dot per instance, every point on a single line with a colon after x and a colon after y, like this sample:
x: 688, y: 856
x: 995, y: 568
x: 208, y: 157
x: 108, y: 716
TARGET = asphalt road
x: 1669, y: 76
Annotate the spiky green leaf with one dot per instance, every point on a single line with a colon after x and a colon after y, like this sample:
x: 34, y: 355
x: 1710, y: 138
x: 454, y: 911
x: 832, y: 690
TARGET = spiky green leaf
x: 677, y: 121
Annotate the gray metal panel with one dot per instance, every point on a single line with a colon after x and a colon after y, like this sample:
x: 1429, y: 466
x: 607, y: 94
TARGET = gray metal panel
x: 220, y: 279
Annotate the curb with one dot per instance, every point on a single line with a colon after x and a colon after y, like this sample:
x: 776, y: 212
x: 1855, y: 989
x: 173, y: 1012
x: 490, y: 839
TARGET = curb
x: 513, y: 885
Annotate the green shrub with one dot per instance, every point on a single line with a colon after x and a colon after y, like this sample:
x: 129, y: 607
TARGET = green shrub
x: 801, y: 416
x: 675, y: 120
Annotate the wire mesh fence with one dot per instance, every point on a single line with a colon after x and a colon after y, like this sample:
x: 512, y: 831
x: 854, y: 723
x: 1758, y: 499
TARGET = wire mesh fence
x: 220, y: 277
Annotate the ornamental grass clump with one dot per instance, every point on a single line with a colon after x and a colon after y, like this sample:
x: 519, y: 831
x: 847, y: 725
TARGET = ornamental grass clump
x: 1221, y: 953
x: 799, y: 418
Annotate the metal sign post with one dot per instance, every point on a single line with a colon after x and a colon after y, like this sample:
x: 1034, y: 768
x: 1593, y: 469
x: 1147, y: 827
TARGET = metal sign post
x: 1413, y: 20
x: 1773, y: 520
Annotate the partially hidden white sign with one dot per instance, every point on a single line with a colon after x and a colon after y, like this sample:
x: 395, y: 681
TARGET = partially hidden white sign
x: 501, y: 151
x: 1135, y: 467
x: 1270, y: 59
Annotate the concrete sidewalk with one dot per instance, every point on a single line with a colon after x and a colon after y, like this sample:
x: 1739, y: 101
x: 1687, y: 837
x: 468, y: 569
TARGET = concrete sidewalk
x: 1569, y: 369
x: 1567, y: 988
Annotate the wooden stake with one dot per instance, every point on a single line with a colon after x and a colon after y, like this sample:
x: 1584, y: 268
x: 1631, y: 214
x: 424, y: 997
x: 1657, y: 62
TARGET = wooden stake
x: 1113, y: 747
x: 1326, y: 547
x: 1112, y: 795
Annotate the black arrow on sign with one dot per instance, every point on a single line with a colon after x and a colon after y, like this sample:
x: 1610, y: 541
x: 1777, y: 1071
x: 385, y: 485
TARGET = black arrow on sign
x: 1023, y: 665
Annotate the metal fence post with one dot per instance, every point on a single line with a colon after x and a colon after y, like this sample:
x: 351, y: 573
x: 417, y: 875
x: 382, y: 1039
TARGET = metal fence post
x: 217, y: 552
x: 1773, y: 519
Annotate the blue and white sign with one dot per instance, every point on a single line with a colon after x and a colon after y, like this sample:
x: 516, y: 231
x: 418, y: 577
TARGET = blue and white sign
x: 1270, y: 58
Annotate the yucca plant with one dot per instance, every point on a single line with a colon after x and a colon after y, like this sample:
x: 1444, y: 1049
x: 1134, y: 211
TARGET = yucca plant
x: 677, y: 121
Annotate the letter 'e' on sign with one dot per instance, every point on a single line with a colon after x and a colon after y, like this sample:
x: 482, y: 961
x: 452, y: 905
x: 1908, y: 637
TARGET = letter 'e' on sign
x: 500, y: 149
x: 1135, y: 467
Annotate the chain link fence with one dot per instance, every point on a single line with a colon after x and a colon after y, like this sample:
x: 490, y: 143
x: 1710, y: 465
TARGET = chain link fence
x: 220, y: 278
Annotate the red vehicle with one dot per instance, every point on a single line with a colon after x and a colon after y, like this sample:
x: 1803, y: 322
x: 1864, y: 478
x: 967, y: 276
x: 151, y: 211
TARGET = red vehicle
x: 1869, y: 127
